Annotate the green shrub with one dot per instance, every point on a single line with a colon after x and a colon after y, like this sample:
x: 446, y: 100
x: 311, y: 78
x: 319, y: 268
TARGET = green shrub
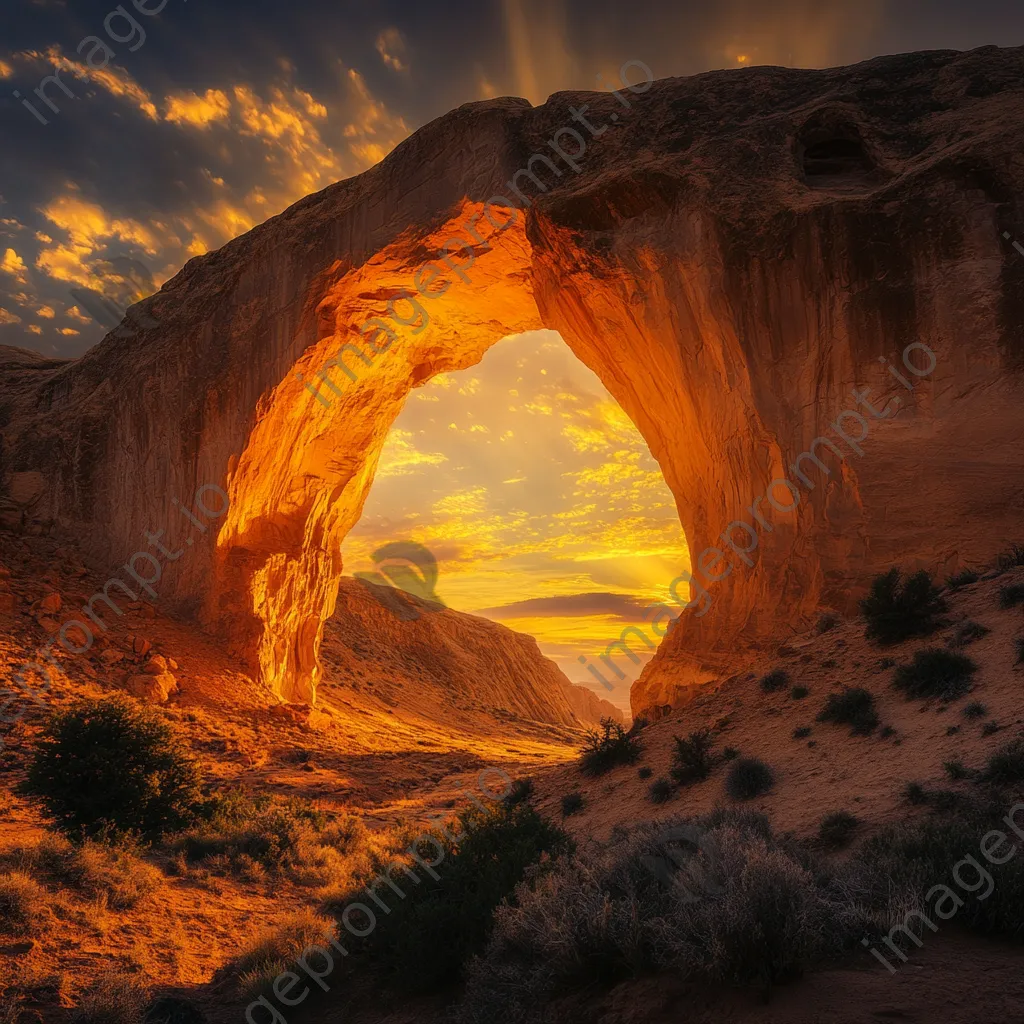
x: 692, y: 760
x: 974, y: 710
x: 1012, y: 558
x: 964, y: 578
x: 748, y: 778
x: 898, y: 609
x: 645, y: 772
x: 956, y: 770
x: 23, y: 905
x: 608, y: 747
x: 521, y: 792
x: 853, y: 706
x: 1011, y: 596
x: 802, y: 732
x: 116, y: 999
x: 799, y: 692
x: 572, y: 803
x: 452, y: 917
x: 111, y: 768
x: 661, y: 790
x: 967, y: 632
x: 836, y: 830
x: 1006, y: 766
x: 935, y: 673
x: 774, y: 680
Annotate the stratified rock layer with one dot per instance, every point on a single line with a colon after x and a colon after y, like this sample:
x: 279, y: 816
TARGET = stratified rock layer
x: 737, y: 252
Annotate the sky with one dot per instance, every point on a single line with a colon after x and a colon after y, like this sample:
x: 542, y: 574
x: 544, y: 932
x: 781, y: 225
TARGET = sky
x: 539, y: 499
x: 191, y: 121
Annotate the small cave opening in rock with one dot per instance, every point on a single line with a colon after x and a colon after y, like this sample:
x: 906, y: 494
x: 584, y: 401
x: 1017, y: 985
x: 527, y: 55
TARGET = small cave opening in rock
x: 533, y: 501
x: 834, y: 154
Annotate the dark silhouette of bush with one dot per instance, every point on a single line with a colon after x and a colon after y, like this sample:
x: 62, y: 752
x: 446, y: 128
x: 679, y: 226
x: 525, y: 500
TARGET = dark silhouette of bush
x: 522, y: 791
x: 110, y: 768
x: 989, y: 728
x: 853, y: 706
x: 802, y: 732
x: 799, y: 692
x: 748, y: 778
x: 775, y: 680
x: 1011, y: 559
x: 173, y: 1010
x: 610, y: 746
x: 964, y: 578
x: 1018, y: 646
x: 1011, y: 596
x: 935, y: 673
x: 974, y: 710
x: 1006, y: 766
x: 660, y: 790
x: 914, y: 793
x: 645, y: 772
x: 836, y: 830
x: 956, y: 770
x: 572, y: 803
x: 692, y: 760
x: 966, y: 633
x: 730, y: 754
x: 897, y: 609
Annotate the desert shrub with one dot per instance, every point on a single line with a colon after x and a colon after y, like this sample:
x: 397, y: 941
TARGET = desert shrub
x: 974, y: 710
x: 1018, y: 647
x: 952, y: 730
x: 522, y: 791
x: 645, y: 772
x: 897, y: 609
x: 914, y: 793
x: 989, y: 728
x: 23, y: 905
x: 730, y: 754
x: 886, y: 731
x: 1011, y: 559
x: 1011, y: 596
x: 1006, y: 766
x: 453, y: 917
x: 956, y: 770
x: 801, y: 732
x: 692, y: 760
x: 660, y: 791
x: 763, y: 913
x: 173, y: 1010
x: 572, y: 803
x: 748, y: 778
x: 639, y: 724
x: 964, y: 578
x: 935, y: 673
x: 799, y: 692
x: 116, y: 999
x: 967, y: 632
x: 836, y: 829
x: 610, y: 746
x: 774, y: 680
x: 275, y: 948
x: 827, y: 622
x: 111, y: 768
x: 853, y: 706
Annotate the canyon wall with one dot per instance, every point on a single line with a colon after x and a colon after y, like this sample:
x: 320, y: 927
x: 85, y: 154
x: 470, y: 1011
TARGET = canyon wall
x: 737, y: 251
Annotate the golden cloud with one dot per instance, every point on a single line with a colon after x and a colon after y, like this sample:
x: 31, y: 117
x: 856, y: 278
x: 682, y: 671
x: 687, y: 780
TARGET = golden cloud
x: 14, y: 265
x: 391, y: 47
x: 45, y: 313
x: 7, y: 317
x: 197, y: 111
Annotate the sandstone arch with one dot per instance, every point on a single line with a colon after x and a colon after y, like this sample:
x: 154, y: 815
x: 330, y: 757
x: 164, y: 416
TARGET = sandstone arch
x: 726, y: 303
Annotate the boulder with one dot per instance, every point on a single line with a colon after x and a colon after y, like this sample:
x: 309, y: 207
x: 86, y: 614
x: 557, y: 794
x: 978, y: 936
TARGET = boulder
x: 157, y: 688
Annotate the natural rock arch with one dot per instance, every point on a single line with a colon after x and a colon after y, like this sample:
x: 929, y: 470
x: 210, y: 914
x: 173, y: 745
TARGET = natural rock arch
x: 728, y: 303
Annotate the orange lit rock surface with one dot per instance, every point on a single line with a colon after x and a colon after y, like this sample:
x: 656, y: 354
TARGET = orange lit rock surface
x: 738, y: 252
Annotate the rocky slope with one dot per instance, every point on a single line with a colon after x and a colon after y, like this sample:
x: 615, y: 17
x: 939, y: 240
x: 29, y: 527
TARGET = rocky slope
x: 737, y: 252
x: 446, y: 663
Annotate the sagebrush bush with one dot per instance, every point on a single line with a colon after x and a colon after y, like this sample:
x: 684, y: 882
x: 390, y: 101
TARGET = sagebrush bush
x: 836, y: 829
x: 801, y: 732
x: 853, y: 706
x: 572, y: 803
x: 692, y: 760
x: 110, y: 768
x: 452, y: 917
x: 1006, y: 766
x: 914, y: 793
x: 174, y: 1010
x: 608, y: 747
x: 774, y: 680
x: 660, y: 791
x: 23, y: 905
x: 1011, y: 559
x: 935, y: 673
x: 897, y: 609
x: 116, y: 999
x: 974, y: 710
x: 956, y: 769
x: 989, y: 728
x: 799, y: 692
x: 964, y: 578
x: 645, y: 772
x: 967, y: 633
x: 749, y: 777
x: 522, y: 791
x: 1011, y: 596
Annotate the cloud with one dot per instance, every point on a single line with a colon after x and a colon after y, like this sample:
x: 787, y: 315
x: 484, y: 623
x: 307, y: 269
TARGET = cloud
x: 45, y: 312
x: 6, y: 71
x: 14, y: 265
x: 8, y: 318
x: 391, y: 47
x: 622, y: 606
x: 197, y: 111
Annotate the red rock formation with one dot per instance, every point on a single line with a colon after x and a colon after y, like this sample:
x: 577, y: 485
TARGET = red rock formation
x: 737, y: 252
x: 446, y: 663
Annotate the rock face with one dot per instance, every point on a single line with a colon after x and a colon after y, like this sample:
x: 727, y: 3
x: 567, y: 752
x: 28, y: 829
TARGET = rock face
x: 447, y: 662
x: 737, y: 251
